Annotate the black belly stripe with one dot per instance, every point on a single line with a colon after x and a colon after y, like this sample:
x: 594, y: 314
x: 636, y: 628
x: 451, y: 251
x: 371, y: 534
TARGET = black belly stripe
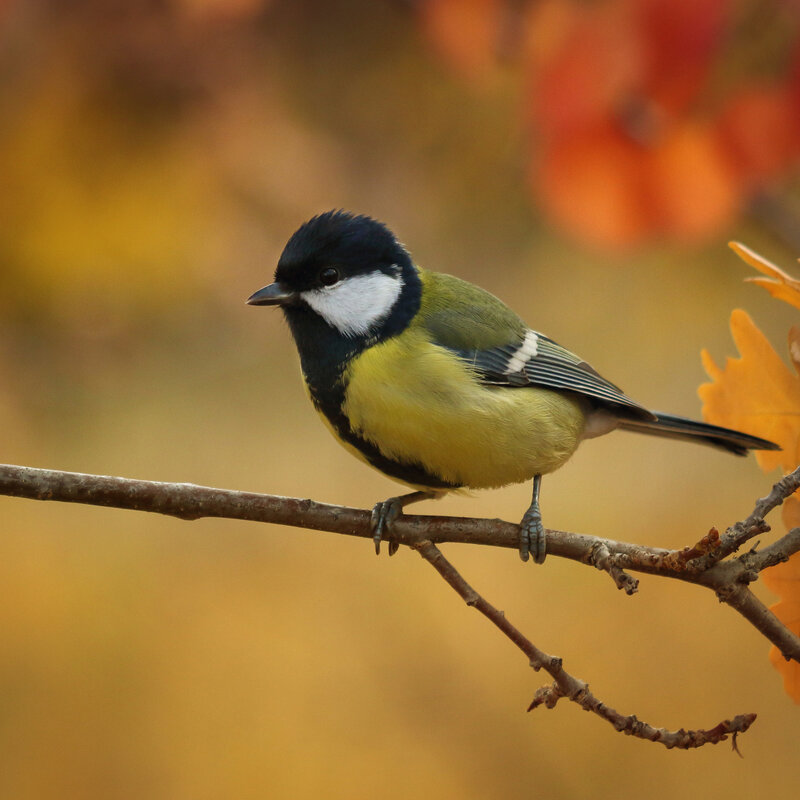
x: 329, y: 402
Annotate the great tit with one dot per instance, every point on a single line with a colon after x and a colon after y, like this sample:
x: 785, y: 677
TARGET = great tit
x: 437, y: 383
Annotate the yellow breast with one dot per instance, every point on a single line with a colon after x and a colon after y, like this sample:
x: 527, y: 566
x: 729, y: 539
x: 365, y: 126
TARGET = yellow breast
x: 416, y: 402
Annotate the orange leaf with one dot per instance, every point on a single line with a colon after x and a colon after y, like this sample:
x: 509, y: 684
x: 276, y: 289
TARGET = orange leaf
x: 582, y: 84
x: 589, y: 184
x: 780, y: 284
x: 784, y: 580
x: 791, y: 517
x: 691, y: 186
x: 788, y: 612
x: 756, y: 393
x: 794, y: 347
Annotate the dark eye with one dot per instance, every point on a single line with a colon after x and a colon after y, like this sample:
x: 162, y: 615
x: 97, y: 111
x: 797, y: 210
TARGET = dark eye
x: 329, y: 276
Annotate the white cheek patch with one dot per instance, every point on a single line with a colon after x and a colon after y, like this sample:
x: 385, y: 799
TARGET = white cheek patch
x: 356, y: 304
x: 524, y: 353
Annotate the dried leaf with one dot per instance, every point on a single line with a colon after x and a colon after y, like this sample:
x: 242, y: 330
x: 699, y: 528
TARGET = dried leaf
x: 794, y: 347
x: 780, y: 284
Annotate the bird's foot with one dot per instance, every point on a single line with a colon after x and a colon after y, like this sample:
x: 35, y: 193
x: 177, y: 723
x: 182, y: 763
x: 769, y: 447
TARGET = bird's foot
x: 532, y: 539
x: 383, y: 515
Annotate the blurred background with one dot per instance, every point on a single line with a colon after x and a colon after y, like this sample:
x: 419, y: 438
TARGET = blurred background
x: 585, y: 161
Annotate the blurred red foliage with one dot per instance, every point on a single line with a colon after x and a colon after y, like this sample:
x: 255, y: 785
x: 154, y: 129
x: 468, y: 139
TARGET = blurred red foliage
x: 647, y: 117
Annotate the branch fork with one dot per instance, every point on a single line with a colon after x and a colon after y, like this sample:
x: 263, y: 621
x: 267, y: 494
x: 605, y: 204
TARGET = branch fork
x: 710, y: 562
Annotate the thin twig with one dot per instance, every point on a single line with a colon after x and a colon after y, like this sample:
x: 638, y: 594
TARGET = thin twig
x: 602, y: 558
x: 777, y: 552
x: 566, y: 685
x: 754, y: 525
x: 687, y: 559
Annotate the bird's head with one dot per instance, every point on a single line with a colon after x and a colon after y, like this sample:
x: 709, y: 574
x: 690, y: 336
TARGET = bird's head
x: 350, y: 272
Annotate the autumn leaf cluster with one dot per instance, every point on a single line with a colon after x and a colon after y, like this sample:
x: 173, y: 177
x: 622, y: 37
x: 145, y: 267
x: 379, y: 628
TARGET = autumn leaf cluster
x: 759, y: 394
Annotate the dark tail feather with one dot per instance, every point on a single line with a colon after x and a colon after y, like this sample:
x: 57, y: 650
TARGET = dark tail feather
x: 681, y: 428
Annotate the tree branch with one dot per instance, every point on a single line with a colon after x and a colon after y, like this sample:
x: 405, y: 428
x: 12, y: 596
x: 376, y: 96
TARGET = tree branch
x: 566, y: 685
x: 710, y: 562
x: 754, y: 525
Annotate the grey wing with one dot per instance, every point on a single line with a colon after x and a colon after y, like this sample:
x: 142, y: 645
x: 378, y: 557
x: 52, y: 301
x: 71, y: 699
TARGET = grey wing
x: 537, y: 360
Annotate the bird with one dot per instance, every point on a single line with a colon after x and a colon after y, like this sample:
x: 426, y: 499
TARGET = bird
x: 437, y: 383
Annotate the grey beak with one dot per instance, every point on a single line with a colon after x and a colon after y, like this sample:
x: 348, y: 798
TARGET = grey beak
x: 272, y: 295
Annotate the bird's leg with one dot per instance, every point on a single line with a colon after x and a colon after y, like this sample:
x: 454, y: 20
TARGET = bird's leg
x: 387, y: 511
x: 531, y: 531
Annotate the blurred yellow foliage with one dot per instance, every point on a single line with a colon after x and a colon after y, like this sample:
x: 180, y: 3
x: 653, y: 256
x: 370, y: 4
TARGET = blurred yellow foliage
x: 154, y: 157
x: 93, y: 212
x: 216, y: 10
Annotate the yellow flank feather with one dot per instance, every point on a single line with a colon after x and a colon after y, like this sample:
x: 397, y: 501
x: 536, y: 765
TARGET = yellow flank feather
x: 418, y: 403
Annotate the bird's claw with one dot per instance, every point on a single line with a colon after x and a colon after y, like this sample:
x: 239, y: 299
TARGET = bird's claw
x: 383, y: 515
x: 532, y: 539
